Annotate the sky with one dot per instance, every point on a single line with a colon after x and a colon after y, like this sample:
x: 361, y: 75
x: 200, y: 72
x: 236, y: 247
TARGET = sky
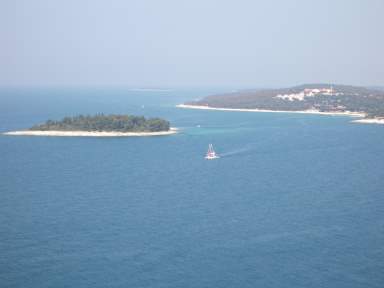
x: 169, y: 43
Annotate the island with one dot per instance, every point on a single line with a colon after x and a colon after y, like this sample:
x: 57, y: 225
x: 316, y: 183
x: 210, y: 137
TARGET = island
x: 327, y: 99
x: 100, y: 125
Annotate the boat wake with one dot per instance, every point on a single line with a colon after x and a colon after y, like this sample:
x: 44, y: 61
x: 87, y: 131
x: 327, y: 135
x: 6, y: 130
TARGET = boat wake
x: 236, y: 152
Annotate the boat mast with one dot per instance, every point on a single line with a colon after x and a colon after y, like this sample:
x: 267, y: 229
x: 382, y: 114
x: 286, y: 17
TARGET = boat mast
x: 210, y: 148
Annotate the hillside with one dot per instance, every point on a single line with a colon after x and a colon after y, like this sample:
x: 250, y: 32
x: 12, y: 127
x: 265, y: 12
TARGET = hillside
x: 319, y: 97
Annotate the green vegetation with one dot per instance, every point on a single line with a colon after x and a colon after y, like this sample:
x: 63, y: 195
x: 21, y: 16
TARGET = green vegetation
x: 343, y: 98
x: 109, y: 123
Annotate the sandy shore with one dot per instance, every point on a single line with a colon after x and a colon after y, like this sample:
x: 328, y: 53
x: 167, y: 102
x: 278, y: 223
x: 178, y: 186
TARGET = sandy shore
x: 370, y: 121
x: 89, y: 133
x: 346, y: 113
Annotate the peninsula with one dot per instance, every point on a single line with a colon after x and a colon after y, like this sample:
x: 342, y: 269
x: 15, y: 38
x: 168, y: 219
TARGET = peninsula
x: 100, y: 125
x: 327, y: 99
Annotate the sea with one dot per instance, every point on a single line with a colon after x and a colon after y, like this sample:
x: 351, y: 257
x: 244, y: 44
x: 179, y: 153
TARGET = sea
x: 294, y: 201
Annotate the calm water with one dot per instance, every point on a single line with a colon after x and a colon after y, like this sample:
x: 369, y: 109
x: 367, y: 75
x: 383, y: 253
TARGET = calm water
x: 295, y: 201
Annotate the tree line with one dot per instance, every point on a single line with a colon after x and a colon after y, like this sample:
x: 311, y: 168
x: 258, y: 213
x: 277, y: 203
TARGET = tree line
x: 101, y: 122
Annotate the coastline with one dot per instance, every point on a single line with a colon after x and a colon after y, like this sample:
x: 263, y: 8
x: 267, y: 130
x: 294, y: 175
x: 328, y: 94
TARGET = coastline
x: 369, y: 121
x: 346, y: 113
x: 90, y: 133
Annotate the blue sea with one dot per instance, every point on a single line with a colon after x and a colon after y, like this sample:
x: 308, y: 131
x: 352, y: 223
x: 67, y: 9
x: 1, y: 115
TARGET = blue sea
x: 294, y: 201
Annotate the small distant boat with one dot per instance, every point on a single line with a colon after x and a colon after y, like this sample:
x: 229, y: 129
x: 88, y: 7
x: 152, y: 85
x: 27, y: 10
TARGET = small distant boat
x: 211, y: 154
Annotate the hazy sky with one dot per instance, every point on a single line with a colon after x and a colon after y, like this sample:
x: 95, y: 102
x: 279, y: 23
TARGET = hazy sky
x: 191, y: 43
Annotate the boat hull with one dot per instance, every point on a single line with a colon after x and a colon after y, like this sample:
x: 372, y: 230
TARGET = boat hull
x: 211, y: 154
x: 211, y: 157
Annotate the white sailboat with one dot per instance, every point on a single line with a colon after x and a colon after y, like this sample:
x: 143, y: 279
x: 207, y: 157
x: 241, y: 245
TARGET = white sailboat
x: 211, y: 154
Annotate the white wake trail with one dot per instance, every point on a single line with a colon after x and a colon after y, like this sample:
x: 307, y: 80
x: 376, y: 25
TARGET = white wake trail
x: 236, y: 151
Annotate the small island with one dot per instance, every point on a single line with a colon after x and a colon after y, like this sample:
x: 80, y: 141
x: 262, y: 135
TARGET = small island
x: 100, y: 125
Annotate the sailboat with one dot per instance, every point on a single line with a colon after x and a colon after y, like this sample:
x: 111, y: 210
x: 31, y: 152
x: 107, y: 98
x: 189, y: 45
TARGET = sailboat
x: 211, y: 154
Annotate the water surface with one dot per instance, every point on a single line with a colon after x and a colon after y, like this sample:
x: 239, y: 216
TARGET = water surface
x: 295, y: 201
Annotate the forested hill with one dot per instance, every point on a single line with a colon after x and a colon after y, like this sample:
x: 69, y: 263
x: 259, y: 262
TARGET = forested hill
x: 109, y: 123
x: 321, y: 97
